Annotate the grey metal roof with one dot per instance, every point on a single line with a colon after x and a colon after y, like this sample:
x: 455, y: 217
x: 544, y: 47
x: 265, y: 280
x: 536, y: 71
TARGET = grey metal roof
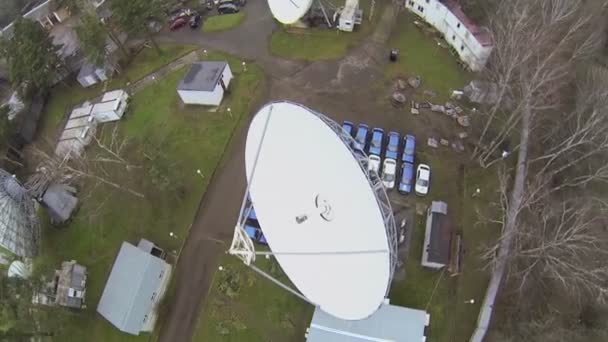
x: 202, y: 76
x: 389, y: 323
x: 441, y: 234
x: 87, y: 69
x: 134, y: 278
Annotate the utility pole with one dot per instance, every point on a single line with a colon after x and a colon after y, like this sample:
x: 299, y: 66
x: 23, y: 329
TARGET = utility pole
x: 371, y: 10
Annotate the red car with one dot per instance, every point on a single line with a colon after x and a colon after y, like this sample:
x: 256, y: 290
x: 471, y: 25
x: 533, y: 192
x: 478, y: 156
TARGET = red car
x: 178, y: 23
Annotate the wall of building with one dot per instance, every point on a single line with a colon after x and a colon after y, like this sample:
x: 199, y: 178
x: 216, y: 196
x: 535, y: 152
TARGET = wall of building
x: 206, y: 98
x: 150, y: 320
x: 227, y: 75
x: 456, y: 34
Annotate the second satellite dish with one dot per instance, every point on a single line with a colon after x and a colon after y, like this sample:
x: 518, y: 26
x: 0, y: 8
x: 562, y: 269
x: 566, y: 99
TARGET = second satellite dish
x: 289, y: 11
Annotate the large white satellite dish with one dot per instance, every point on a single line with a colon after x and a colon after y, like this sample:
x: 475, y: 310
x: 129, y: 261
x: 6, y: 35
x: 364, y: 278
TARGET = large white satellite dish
x: 327, y: 222
x: 289, y: 11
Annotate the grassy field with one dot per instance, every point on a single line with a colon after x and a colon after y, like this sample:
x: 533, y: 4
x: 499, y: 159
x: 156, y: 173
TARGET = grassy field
x: 419, y: 54
x: 223, y: 22
x: 66, y: 95
x: 443, y: 296
x: 244, y: 306
x: 453, y: 181
x: 168, y: 143
x: 318, y: 43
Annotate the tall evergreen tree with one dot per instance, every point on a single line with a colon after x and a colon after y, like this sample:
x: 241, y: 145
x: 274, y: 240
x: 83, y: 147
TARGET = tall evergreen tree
x: 134, y: 16
x: 31, y: 56
x: 93, y: 38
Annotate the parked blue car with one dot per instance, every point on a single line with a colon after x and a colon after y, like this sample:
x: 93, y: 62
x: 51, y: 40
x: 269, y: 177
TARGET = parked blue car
x: 255, y: 233
x: 361, y: 137
x: 409, y: 148
x: 375, y: 145
x: 407, y: 178
x: 252, y: 228
x: 392, y: 147
x: 347, y: 126
x: 252, y: 215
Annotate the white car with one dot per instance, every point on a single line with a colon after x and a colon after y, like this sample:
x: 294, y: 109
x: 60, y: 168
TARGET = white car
x: 389, y: 169
x: 373, y: 163
x: 423, y: 179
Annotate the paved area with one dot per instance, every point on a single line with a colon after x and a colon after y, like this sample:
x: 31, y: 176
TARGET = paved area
x: 250, y: 40
x: 332, y: 87
x: 214, y: 220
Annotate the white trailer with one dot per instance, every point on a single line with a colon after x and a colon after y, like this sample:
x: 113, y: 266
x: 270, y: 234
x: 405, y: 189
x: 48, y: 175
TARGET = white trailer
x: 350, y: 15
x: 112, y: 106
x: 82, y: 111
x: 73, y: 141
x: 80, y: 122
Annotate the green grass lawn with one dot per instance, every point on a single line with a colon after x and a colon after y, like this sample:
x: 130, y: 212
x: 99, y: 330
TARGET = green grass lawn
x: 319, y: 44
x: 66, y: 95
x: 252, y: 309
x: 223, y: 22
x: 419, y: 54
x: 168, y: 141
x: 437, y: 292
x: 443, y: 296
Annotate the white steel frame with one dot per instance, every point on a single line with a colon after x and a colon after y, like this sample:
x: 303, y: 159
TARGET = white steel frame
x: 243, y: 247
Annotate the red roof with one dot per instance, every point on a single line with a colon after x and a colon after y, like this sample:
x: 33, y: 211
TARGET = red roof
x: 482, y: 35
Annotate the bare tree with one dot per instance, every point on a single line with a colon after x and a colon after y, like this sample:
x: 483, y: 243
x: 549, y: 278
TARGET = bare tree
x: 538, y: 46
x: 99, y: 164
x: 561, y: 245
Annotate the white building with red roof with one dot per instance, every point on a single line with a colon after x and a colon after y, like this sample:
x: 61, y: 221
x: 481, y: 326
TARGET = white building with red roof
x: 472, y: 43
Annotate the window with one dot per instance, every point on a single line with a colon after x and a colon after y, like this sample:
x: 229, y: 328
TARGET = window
x: 427, y: 1
x: 153, y: 296
x: 145, y: 318
x: 461, y: 47
x: 162, y: 273
x: 458, y: 25
x: 411, y: 3
x: 454, y: 37
x: 421, y: 9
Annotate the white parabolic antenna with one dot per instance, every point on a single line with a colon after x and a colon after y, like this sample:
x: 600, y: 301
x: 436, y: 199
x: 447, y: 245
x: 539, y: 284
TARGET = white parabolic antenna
x: 319, y: 210
x: 289, y: 11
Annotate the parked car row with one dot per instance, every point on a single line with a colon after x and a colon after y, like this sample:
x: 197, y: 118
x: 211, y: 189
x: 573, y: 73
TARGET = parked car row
x: 182, y: 17
x: 384, y: 153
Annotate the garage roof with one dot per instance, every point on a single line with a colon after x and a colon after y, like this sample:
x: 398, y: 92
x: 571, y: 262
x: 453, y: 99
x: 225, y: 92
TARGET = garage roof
x: 389, y: 323
x: 202, y: 76
x: 125, y: 301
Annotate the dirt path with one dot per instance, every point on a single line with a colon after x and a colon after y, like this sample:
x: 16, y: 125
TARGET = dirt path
x: 250, y: 40
x: 329, y: 86
x: 214, y: 220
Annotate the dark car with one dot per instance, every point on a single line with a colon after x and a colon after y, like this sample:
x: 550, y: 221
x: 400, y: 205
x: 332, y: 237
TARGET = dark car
x: 227, y: 8
x: 178, y: 24
x: 255, y: 233
x: 347, y: 126
x: 252, y: 228
x: 392, y: 147
x: 409, y: 148
x: 375, y: 145
x: 195, y: 21
x: 407, y: 177
x: 361, y: 137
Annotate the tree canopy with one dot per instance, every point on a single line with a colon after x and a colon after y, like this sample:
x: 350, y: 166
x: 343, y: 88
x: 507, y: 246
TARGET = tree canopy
x: 92, y: 36
x: 134, y: 16
x: 31, y: 56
